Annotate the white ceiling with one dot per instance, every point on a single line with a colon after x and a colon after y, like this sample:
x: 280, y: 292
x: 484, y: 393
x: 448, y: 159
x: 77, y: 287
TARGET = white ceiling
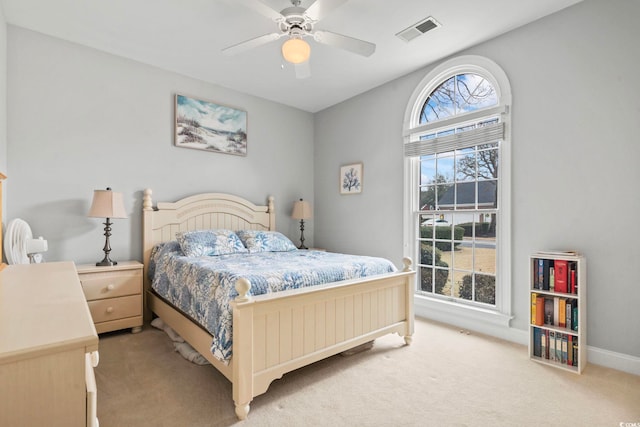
x: 186, y: 36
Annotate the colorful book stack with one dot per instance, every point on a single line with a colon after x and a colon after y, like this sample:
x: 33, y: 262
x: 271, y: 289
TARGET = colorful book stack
x: 555, y: 346
x: 554, y: 311
x: 556, y: 275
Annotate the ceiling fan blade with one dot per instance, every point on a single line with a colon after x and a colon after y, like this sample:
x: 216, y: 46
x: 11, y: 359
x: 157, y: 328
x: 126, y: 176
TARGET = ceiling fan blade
x: 321, y: 8
x: 250, y: 44
x: 351, y: 44
x: 262, y: 9
x: 303, y: 70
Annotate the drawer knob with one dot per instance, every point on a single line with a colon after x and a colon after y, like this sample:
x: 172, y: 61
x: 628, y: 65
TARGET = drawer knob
x: 110, y: 287
x: 109, y: 309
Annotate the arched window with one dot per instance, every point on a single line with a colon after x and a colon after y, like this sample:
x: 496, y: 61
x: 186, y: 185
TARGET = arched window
x: 456, y: 143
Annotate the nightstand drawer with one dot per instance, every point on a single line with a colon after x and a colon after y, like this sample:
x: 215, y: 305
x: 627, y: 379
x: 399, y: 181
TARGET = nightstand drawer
x: 111, y: 284
x: 115, y: 308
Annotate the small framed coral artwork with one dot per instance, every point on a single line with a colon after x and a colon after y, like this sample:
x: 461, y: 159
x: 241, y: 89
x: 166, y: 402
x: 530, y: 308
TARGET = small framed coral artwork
x: 203, y: 125
x: 351, y: 178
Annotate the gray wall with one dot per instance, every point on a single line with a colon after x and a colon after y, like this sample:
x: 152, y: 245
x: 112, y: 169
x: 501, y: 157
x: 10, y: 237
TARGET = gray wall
x: 81, y: 119
x: 574, y: 167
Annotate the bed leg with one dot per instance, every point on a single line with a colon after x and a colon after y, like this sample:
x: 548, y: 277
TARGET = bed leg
x: 410, y: 289
x: 243, y: 368
x: 242, y: 411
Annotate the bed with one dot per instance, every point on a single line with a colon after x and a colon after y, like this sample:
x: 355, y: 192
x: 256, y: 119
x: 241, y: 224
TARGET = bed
x: 276, y: 332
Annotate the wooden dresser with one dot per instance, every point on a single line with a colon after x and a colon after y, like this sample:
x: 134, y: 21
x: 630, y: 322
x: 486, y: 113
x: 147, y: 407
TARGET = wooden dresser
x: 48, y: 348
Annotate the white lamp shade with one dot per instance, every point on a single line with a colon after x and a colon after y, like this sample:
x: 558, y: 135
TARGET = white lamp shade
x: 296, y: 50
x: 107, y: 204
x: 302, y: 210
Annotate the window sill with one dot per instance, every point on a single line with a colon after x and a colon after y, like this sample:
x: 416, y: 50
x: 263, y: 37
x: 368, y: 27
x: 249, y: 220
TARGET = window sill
x: 474, y: 318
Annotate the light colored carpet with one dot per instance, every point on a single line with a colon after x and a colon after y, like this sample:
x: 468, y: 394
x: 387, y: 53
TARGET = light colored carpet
x: 445, y: 378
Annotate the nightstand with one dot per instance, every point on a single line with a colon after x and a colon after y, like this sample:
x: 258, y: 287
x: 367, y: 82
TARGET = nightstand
x: 114, y: 295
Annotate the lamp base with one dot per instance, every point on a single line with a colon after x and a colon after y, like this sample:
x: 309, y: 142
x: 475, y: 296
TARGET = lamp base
x: 106, y: 261
x: 302, y: 246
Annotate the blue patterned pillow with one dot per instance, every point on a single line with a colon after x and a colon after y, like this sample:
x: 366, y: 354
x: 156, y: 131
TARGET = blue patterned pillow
x: 209, y: 242
x: 266, y: 241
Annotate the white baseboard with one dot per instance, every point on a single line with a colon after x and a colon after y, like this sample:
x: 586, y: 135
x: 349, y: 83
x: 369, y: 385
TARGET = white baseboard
x: 479, y: 322
x: 611, y: 359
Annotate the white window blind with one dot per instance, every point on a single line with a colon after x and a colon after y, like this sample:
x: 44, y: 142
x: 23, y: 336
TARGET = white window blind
x: 465, y: 139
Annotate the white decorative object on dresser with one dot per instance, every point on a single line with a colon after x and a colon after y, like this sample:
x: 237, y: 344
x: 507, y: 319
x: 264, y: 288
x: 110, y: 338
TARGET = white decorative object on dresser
x: 114, y: 294
x: 20, y: 246
x: 48, y: 348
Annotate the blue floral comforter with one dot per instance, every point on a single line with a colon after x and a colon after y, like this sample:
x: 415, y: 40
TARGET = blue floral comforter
x: 202, y: 287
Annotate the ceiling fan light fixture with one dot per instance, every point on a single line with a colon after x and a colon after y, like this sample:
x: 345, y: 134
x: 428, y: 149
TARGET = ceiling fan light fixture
x: 296, y: 50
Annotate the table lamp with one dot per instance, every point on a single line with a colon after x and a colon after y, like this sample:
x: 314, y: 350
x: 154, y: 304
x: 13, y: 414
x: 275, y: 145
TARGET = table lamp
x: 301, y: 211
x: 107, y: 204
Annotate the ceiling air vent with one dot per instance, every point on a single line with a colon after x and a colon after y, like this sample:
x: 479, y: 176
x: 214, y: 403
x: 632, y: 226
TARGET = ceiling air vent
x: 418, y: 29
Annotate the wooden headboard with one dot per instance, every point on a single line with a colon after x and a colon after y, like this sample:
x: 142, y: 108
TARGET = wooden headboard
x: 200, y: 212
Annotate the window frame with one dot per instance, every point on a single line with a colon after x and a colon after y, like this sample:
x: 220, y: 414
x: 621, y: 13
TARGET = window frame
x: 445, y: 310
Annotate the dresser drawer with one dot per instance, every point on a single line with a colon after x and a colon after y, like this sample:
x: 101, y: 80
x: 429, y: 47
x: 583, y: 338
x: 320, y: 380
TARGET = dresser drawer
x: 110, y: 284
x: 108, y: 309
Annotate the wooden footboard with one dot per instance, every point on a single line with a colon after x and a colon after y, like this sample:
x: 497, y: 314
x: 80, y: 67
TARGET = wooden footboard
x: 277, y: 333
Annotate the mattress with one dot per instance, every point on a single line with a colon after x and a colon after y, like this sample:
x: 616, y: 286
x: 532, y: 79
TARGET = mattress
x: 202, y: 287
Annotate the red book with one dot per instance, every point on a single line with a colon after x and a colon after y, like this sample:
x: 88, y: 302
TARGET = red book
x: 573, y: 281
x: 561, y: 276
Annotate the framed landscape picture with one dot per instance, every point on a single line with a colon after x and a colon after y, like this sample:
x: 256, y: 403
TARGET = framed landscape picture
x: 206, y: 126
x: 351, y: 178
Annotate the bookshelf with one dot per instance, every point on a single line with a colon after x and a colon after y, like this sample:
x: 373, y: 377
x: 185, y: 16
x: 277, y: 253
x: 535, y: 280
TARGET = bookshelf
x: 558, y: 310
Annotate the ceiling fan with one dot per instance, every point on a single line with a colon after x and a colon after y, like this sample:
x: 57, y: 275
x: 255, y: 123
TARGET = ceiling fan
x: 297, y: 23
